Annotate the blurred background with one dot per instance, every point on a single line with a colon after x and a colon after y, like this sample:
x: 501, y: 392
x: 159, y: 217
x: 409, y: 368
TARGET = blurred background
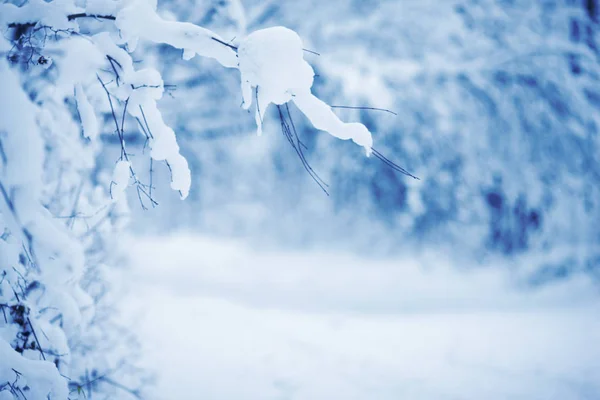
x: 480, y: 280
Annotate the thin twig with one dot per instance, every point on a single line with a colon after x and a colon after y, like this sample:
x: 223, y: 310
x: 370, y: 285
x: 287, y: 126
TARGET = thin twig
x: 122, y: 387
x: 312, y: 52
x: 296, y: 145
x: 224, y: 43
x: 84, y: 15
x: 365, y: 108
x: 36, y: 339
x: 391, y: 164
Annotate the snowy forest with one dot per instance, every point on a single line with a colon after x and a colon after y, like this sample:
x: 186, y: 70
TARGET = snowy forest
x: 261, y: 199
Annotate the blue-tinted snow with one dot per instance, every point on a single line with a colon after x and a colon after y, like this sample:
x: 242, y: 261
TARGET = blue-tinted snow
x: 224, y: 321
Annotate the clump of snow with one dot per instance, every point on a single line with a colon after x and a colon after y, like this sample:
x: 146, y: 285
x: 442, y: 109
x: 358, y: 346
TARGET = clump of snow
x: 272, y: 63
x: 78, y: 64
x: 120, y: 179
x: 41, y: 378
x: 21, y: 168
x: 181, y: 177
x: 273, y: 69
x: 53, y: 13
x: 102, y: 7
x: 140, y: 20
x: 86, y: 113
x: 164, y: 145
x: 323, y: 118
x: 141, y: 89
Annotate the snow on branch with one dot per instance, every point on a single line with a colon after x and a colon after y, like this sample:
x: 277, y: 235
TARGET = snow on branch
x: 273, y: 70
x: 271, y: 63
x: 48, y: 143
x: 40, y: 12
x: 140, y: 20
x: 139, y: 90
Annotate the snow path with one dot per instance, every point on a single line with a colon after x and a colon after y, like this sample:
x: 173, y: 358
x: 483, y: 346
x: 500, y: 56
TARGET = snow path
x: 223, y: 321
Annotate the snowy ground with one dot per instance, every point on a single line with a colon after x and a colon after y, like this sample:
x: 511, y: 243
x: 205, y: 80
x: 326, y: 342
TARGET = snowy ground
x: 223, y: 321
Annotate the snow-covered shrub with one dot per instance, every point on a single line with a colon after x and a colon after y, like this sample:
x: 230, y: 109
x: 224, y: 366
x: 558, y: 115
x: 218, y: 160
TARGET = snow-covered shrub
x: 68, y: 78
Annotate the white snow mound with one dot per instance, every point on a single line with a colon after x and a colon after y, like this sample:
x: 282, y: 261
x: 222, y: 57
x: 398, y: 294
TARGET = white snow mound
x: 273, y: 70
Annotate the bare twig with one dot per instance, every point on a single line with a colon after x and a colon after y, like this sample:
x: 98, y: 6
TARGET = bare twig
x: 289, y: 131
x: 365, y: 108
x: 36, y: 339
x: 311, y: 52
x: 391, y: 164
x: 224, y: 43
x: 85, y: 15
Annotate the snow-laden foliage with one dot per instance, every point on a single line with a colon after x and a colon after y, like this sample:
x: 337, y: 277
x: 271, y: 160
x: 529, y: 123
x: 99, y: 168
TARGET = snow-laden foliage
x: 57, y: 225
x: 68, y: 78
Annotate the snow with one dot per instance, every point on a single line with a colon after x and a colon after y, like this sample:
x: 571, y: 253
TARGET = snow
x: 141, y: 89
x: 181, y: 177
x: 43, y: 377
x: 323, y: 118
x: 52, y: 13
x: 89, y: 122
x: 272, y: 63
x: 102, y: 7
x: 56, y: 258
x: 120, y: 179
x: 79, y: 61
x: 319, y: 325
x: 23, y: 168
x: 273, y: 69
x: 164, y: 146
x: 315, y: 325
x: 140, y: 20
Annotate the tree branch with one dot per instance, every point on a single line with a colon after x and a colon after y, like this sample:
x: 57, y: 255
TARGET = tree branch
x: 84, y: 15
x: 70, y: 17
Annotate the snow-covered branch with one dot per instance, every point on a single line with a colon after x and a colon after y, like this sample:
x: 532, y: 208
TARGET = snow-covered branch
x: 59, y: 81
